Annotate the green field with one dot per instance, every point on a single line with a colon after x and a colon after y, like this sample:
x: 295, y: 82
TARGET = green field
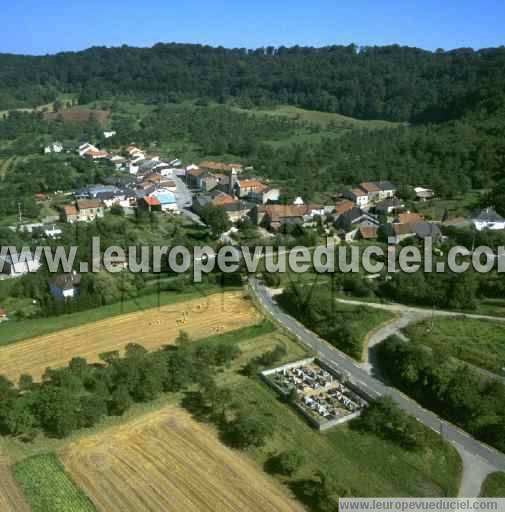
x: 493, y: 486
x: 314, y: 125
x: 323, y: 119
x: 360, y: 463
x: 459, y: 206
x: 49, y: 107
x: 48, y: 488
x: 478, y: 342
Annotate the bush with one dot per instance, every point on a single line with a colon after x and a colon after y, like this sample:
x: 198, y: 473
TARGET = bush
x: 286, y: 463
x: 247, y: 430
x: 386, y: 420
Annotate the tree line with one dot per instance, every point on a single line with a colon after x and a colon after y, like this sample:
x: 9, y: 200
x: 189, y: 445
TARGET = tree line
x: 456, y: 391
x: 82, y: 394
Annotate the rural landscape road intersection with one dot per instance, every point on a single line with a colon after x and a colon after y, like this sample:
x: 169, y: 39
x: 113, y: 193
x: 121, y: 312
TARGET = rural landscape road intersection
x: 478, y: 458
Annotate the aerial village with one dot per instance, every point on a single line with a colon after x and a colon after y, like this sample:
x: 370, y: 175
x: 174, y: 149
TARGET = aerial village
x: 171, y: 187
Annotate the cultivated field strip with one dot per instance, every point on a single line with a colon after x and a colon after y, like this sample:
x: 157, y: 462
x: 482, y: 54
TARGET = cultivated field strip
x: 167, y: 462
x: 151, y: 328
x: 11, y: 497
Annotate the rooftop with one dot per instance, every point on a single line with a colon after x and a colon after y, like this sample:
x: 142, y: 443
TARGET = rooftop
x: 252, y: 184
x: 218, y: 166
x: 343, y: 206
x: 405, y: 218
x: 69, y: 209
x: 369, y: 186
x: 164, y: 197
x: 85, y: 204
x: 489, y: 215
x: 152, y: 201
x: 67, y: 281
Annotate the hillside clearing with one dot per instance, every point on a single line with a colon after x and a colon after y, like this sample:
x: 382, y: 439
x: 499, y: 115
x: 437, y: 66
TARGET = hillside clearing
x: 152, y: 328
x: 166, y: 461
x: 78, y: 116
x: 323, y: 119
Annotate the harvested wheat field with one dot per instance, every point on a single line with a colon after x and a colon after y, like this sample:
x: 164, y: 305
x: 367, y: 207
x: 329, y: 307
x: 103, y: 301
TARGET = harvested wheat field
x: 151, y: 328
x: 167, y: 462
x: 11, y: 498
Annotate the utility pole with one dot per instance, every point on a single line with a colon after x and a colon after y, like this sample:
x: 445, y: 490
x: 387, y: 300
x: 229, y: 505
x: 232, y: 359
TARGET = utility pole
x: 20, y: 214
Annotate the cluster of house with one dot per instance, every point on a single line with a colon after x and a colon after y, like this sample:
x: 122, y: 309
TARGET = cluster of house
x: 148, y: 183
x: 221, y: 185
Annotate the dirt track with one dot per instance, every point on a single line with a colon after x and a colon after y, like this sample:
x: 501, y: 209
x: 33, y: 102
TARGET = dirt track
x: 167, y: 462
x: 152, y: 328
x: 11, y: 498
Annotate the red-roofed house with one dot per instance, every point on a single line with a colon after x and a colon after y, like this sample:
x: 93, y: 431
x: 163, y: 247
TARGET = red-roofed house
x: 95, y: 154
x: 151, y: 203
x: 367, y: 233
x: 343, y: 206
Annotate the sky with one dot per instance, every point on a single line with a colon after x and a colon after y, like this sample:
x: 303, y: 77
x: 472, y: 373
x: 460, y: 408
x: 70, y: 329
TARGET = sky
x: 36, y: 27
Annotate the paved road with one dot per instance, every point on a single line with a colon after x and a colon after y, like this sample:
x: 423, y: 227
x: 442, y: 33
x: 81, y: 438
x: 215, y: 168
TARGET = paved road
x: 394, y: 327
x: 185, y: 200
x: 391, y: 328
x: 470, y: 448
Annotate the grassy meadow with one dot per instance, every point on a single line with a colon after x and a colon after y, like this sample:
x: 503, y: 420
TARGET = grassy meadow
x: 478, y: 342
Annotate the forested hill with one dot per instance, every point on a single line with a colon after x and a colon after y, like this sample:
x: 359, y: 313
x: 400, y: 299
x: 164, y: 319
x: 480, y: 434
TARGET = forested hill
x: 391, y: 82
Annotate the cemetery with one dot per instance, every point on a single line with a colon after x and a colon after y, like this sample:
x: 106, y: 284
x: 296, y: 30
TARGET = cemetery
x: 321, y: 394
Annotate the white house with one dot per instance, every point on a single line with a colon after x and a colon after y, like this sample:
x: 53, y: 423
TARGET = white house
x: 65, y: 286
x: 488, y: 219
x: 358, y: 196
x: 265, y: 196
x: 108, y: 135
x: 53, y: 232
x: 55, y: 147
x: 423, y: 194
x: 84, y: 148
x: 23, y: 263
x: 167, y: 200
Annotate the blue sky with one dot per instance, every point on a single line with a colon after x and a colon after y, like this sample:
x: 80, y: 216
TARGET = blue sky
x: 36, y: 27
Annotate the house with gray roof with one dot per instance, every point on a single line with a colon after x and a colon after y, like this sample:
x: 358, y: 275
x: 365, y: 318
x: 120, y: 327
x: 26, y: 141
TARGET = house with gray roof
x: 488, y: 218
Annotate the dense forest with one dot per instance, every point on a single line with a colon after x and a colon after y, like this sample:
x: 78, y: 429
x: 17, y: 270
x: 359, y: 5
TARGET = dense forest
x: 390, y: 82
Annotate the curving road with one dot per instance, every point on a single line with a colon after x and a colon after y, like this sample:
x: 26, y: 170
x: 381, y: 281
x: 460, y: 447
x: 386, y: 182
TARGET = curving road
x: 478, y: 458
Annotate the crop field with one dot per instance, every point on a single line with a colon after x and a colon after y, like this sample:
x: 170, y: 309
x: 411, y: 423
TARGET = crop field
x: 153, y: 328
x: 167, y: 461
x: 48, y: 488
x: 11, y: 498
